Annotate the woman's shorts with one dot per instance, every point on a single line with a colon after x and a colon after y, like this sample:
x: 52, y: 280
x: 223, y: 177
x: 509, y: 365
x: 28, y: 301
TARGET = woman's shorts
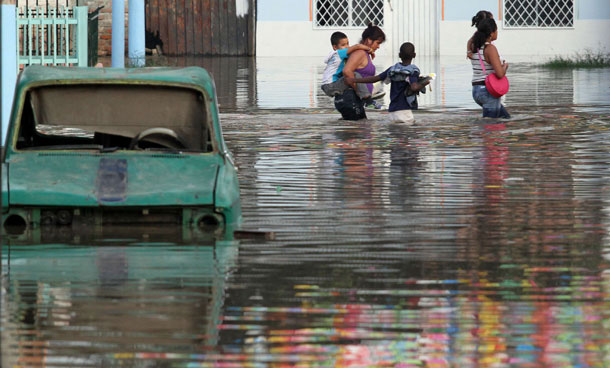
x: 492, y: 106
x: 402, y: 116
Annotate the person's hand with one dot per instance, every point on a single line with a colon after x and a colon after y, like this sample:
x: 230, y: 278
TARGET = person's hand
x: 372, y: 54
x: 349, y: 81
x: 366, y: 48
x: 505, y: 65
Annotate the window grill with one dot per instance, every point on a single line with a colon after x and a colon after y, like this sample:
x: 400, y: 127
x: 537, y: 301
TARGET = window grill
x: 538, y: 13
x: 348, y: 13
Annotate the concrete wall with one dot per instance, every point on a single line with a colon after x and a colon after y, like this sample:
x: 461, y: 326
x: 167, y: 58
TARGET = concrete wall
x: 285, y: 28
x: 298, y: 38
x: 586, y: 34
x: 590, y: 31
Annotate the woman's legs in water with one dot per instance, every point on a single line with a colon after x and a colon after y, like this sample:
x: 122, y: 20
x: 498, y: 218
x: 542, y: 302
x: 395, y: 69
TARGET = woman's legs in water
x: 492, y: 106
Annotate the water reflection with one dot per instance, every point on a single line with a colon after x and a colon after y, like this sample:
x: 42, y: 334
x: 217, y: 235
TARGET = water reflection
x: 245, y: 83
x: 235, y: 77
x: 452, y: 243
x: 106, y: 301
x: 457, y: 242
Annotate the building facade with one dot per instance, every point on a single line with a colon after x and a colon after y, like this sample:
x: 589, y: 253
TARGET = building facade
x: 436, y: 27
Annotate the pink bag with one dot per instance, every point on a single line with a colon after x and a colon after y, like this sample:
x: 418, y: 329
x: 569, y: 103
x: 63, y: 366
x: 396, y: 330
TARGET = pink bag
x: 496, y: 87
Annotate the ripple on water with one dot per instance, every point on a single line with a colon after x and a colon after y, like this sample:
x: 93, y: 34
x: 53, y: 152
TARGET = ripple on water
x: 456, y: 242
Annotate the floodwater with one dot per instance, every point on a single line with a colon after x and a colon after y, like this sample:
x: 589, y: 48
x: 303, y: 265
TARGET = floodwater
x: 456, y: 242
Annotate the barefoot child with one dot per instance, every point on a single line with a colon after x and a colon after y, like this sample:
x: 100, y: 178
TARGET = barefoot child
x: 332, y: 79
x: 405, y: 85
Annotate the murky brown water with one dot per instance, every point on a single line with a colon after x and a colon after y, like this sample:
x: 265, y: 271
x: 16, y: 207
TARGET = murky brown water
x: 458, y: 242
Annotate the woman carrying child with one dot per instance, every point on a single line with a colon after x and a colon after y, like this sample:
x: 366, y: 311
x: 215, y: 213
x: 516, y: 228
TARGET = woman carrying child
x: 360, y: 62
x: 484, y: 53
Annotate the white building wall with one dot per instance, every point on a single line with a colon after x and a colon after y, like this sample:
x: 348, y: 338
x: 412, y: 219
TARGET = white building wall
x: 586, y: 34
x: 591, y: 29
x: 284, y: 28
x: 298, y: 38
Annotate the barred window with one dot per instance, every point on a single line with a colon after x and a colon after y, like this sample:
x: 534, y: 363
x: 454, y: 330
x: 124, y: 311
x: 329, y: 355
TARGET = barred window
x: 538, y: 13
x: 348, y: 13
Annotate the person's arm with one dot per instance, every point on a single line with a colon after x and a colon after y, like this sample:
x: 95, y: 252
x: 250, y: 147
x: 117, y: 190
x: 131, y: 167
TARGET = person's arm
x: 373, y: 79
x: 469, y: 52
x: 415, y: 85
x: 355, y: 59
x: 357, y: 47
x: 492, y: 57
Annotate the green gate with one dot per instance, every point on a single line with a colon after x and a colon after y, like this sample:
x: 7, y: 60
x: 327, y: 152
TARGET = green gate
x: 52, y: 36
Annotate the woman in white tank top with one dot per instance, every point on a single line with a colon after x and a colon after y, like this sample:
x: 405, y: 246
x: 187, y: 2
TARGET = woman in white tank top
x: 482, y: 48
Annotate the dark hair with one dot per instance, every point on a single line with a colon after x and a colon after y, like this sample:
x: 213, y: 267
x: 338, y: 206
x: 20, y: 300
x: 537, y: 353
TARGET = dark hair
x: 482, y: 14
x: 336, y: 37
x: 373, y: 33
x: 485, y: 28
x: 407, y: 51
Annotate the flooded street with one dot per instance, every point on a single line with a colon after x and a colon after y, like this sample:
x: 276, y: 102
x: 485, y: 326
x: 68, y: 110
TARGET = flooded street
x: 456, y: 242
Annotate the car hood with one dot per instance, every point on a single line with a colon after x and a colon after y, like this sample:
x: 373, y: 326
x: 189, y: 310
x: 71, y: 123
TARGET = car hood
x: 86, y: 179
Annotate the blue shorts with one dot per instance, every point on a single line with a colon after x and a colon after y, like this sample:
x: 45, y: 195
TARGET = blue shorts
x: 492, y: 107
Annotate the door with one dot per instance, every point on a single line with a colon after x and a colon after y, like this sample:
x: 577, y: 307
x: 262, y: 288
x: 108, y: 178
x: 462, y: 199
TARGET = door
x: 415, y: 21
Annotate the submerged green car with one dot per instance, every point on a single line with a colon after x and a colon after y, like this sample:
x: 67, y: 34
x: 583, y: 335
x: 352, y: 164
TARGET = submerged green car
x: 95, y: 146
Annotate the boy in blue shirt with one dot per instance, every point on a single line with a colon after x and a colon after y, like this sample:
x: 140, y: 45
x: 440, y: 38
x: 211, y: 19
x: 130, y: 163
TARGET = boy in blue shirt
x: 405, y: 85
x: 333, y: 83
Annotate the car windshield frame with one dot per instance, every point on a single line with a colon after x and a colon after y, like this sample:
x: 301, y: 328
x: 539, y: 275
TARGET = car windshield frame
x: 112, y: 115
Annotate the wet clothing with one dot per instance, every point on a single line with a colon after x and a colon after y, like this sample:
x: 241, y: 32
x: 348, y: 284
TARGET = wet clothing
x: 478, y: 75
x: 335, y: 61
x: 367, y: 71
x: 350, y: 105
x: 492, y: 106
x: 400, y: 78
x: 334, y: 88
x: 402, y: 116
x: 338, y: 87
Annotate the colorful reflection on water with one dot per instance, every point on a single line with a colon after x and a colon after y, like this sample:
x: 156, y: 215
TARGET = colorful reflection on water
x: 458, y: 242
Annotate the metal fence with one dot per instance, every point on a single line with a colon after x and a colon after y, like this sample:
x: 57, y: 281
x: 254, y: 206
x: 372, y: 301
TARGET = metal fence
x: 538, y: 13
x: 46, y: 3
x: 52, y: 35
x: 348, y: 13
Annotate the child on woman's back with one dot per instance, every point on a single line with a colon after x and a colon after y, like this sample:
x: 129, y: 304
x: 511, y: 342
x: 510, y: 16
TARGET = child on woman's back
x: 405, y: 84
x: 332, y: 79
